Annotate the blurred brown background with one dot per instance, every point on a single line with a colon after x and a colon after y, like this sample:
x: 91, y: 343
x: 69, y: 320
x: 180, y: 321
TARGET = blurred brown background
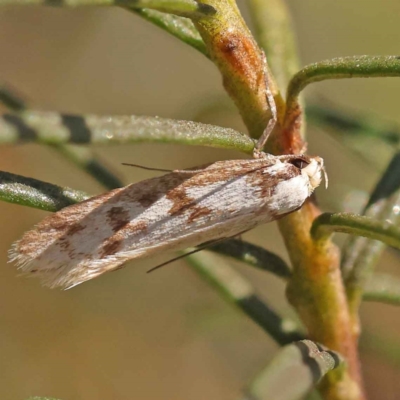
x: 167, y: 335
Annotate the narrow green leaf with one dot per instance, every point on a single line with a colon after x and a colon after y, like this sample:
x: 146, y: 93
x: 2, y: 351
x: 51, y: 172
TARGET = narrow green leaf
x: 336, y: 68
x: 343, y: 68
x: 80, y: 156
x: 83, y: 158
x: 31, y: 192
x: 54, y: 128
x: 253, y: 255
x: 359, y: 125
x: 381, y: 345
x: 360, y: 255
x: 180, y: 27
x: 326, y: 224
x: 187, y: 8
x: 10, y: 99
x: 170, y: 15
x: 237, y: 290
x: 383, y: 288
x: 293, y: 373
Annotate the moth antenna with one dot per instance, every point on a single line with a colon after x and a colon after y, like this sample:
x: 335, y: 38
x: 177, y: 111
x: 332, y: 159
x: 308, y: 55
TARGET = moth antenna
x: 272, y: 106
x: 175, y: 259
x: 199, y: 248
x: 147, y: 168
x: 179, y: 171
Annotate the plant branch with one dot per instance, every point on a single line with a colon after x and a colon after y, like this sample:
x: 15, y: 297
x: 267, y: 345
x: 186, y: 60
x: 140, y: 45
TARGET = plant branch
x: 316, y: 288
x: 233, y: 49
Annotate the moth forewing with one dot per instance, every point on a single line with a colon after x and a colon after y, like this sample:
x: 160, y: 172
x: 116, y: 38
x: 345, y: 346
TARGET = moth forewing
x: 166, y: 213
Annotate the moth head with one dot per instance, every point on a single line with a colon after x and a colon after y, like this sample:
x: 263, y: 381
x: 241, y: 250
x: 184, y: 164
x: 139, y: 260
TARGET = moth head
x: 313, y: 167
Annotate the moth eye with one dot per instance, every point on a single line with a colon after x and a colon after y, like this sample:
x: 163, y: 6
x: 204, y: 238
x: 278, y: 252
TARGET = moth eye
x: 299, y: 163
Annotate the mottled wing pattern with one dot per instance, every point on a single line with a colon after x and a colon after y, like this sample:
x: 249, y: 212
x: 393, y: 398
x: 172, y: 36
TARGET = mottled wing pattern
x: 170, y: 212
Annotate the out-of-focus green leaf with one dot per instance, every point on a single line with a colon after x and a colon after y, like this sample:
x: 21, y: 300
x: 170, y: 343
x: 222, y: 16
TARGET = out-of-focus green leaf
x: 239, y: 291
x: 383, y: 288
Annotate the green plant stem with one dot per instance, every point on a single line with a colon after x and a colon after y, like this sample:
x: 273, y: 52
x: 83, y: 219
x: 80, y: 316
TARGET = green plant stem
x: 240, y: 292
x: 274, y: 33
x: 383, y: 288
x: 302, y: 364
x: 326, y: 224
x: 336, y: 68
x: 53, y: 128
x: 233, y: 49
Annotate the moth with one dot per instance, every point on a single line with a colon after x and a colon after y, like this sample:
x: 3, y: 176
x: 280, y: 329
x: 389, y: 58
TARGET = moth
x: 168, y: 213
x: 181, y: 209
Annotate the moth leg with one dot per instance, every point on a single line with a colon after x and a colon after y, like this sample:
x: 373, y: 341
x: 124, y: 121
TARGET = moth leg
x: 272, y: 106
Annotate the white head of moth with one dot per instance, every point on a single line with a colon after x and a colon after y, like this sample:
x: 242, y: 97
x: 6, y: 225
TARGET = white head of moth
x: 168, y: 213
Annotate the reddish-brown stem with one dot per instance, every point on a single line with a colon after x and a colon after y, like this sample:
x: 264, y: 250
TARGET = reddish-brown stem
x: 317, y: 292
x: 316, y: 289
